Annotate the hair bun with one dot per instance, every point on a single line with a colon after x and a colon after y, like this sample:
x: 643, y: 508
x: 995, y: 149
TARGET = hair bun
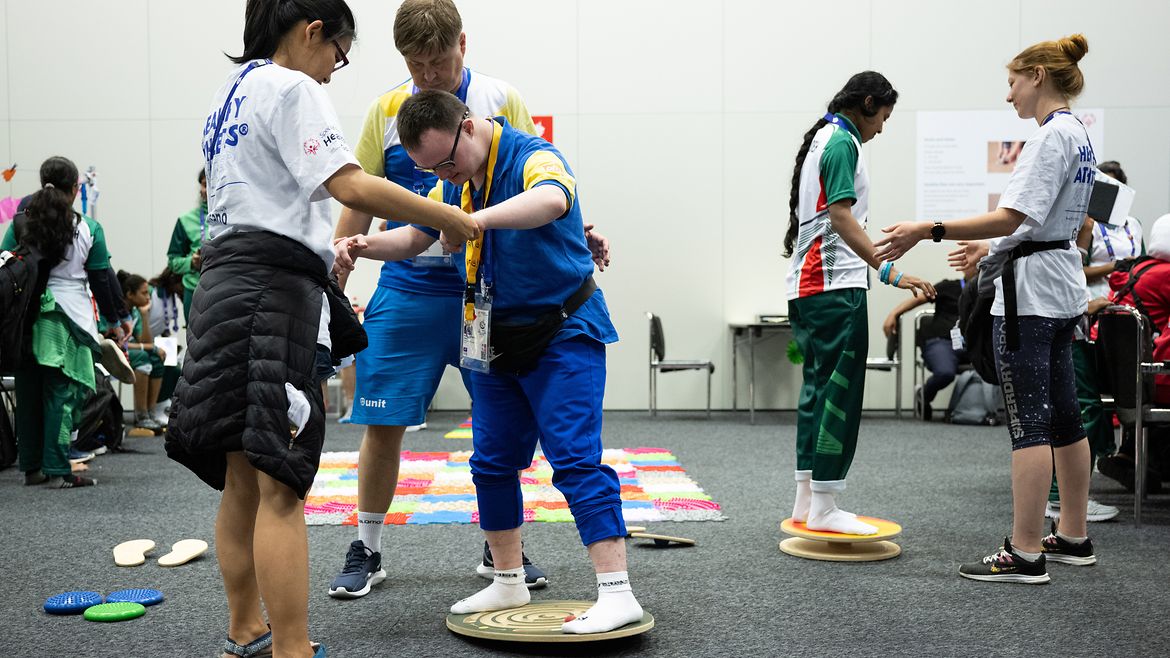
x: 1075, y: 46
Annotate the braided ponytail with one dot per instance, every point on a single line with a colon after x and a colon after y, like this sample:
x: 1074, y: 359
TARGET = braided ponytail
x: 864, y: 94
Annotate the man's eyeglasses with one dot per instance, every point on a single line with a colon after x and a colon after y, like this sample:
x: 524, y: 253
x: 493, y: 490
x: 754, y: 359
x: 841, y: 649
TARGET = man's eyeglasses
x: 342, y: 60
x: 450, y: 161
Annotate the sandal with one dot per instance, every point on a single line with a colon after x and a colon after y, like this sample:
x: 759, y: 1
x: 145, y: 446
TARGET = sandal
x: 261, y: 647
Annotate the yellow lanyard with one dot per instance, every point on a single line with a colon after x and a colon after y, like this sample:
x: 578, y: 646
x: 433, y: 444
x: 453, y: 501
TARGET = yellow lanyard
x: 475, y: 247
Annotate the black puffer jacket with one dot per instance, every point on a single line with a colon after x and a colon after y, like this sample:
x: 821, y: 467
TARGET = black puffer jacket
x: 253, y: 327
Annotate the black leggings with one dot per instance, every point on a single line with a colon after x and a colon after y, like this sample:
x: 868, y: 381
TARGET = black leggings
x: 1038, y: 382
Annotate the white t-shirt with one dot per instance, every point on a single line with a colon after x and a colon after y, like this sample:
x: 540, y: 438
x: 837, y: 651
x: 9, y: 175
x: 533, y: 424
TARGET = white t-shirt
x: 1051, y: 186
x: 1125, y: 241
x: 279, y: 141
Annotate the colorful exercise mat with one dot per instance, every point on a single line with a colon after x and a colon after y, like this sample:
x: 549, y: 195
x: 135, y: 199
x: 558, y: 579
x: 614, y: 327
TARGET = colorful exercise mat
x: 436, y: 487
x: 461, y: 432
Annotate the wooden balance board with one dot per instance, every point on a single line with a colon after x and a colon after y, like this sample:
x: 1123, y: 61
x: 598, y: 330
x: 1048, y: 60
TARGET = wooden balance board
x: 662, y: 540
x: 539, y: 621
x: 838, y: 547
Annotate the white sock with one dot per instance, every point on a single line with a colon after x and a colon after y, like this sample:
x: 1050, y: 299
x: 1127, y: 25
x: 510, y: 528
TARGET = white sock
x: 370, y: 529
x: 506, y: 591
x: 824, y: 515
x: 1030, y: 557
x: 803, y: 495
x: 615, y: 607
x: 1071, y: 540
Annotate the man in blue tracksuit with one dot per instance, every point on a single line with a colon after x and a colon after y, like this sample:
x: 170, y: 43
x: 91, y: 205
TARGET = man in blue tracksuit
x: 529, y: 279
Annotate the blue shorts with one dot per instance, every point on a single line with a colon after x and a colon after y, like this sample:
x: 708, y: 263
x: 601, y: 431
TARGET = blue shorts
x: 412, y: 339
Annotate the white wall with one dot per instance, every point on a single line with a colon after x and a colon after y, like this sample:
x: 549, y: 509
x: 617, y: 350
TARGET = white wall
x: 680, y: 118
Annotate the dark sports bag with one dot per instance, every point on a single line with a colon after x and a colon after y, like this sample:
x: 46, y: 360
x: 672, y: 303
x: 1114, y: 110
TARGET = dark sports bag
x: 976, y: 301
x: 101, y: 419
x: 517, y: 348
x: 24, y: 274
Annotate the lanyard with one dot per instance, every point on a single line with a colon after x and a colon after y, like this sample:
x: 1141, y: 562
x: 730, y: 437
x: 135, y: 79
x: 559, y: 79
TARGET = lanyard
x: 838, y: 121
x: 475, y: 248
x: 1052, y: 116
x: 1109, y: 247
x: 220, y: 116
x: 202, y: 224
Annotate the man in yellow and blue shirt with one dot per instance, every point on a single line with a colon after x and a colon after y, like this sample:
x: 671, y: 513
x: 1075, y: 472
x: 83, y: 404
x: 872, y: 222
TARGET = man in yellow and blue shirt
x: 411, y: 320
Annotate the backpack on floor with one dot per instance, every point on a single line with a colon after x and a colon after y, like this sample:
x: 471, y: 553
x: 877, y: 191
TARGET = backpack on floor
x: 975, y: 402
x: 101, y: 419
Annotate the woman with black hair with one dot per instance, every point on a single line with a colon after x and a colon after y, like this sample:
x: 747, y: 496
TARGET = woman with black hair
x: 827, y: 284
x: 51, y: 390
x: 248, y: 415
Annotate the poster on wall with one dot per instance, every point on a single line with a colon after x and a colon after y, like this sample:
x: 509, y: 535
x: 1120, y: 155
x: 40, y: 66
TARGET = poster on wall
x: 965, y: 158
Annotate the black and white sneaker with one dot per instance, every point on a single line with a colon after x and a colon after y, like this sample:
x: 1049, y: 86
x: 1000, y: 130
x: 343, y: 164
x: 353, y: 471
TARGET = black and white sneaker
x: 1059, y: 550
x: 1005, y: 566
x: 534, y: 576
x: 362, y: 570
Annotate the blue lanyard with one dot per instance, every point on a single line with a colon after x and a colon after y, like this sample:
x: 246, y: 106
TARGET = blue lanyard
x: 1052, y: 116
x: 202, y: 225
x: 225, y: 110
x: 1109, y: 247
x: 838, y: 121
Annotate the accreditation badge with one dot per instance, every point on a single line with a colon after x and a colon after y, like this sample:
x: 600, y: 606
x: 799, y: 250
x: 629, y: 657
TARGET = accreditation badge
x: 476, y: 350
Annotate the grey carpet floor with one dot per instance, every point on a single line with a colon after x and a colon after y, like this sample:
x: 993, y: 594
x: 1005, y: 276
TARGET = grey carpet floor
x: 734, y: 594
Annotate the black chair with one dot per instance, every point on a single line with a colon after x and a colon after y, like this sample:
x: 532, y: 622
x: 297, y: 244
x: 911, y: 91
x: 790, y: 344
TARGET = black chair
x: 659, y: 364
x: 1124, y: 339
x: 891, y: 362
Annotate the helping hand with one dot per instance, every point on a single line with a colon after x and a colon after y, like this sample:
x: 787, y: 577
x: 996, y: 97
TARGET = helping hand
x: 345, y: 253
x: 900, y: 238
x: 968, y: 254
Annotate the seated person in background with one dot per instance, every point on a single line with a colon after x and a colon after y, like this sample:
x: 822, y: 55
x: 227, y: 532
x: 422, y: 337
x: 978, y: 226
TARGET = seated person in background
x: 166, y: 294
x: 940, y: 357
x: 145, y: 357
x: 1104, y: 245
x: 1150, y: 294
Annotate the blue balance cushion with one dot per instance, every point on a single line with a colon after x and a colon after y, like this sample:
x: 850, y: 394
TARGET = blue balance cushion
x: 71, y: 603
x: 143, y: 596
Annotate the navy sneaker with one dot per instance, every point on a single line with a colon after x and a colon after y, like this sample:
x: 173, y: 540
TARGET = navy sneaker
x: 1005, y: 566
x: 363, y: 570
x: 534, y: 576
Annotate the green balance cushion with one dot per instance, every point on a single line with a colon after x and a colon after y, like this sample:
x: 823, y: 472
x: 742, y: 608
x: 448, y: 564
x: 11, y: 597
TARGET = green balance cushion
x: 115, y: 611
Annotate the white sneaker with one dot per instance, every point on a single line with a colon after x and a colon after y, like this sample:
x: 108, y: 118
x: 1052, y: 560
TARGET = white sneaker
x: 1052, y: 510
x: 1095, y: 511
x: 415, y: 428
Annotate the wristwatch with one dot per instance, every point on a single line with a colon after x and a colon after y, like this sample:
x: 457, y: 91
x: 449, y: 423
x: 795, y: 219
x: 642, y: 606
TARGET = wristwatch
x: 938, y: 231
